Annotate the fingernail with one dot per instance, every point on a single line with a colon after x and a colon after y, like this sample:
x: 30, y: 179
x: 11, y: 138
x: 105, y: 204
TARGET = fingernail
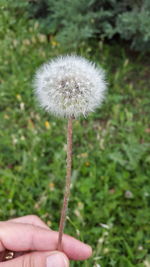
x: 57, y: 259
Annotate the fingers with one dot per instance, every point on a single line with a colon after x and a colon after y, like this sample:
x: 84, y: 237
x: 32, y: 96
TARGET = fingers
x: 40, y: 259
x: 25, y: 237
x: 30, y: 219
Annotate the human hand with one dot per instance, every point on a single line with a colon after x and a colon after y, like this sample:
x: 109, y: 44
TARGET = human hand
x: 34, y: 244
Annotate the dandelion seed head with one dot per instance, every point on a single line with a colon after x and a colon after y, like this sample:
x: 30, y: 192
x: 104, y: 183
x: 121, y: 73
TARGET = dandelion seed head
x: 70, y: 86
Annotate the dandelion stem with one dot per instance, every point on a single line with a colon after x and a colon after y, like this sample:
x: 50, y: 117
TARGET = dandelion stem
x: 67, y: 186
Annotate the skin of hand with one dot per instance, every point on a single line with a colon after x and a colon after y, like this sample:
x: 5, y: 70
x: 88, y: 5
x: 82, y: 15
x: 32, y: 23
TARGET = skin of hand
x: 35, y: 244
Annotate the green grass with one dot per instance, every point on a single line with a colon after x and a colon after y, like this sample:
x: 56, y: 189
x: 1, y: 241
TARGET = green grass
x: 111, y: 173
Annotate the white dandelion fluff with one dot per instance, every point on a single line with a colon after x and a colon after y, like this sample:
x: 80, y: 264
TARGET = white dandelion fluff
x: 70, y: 86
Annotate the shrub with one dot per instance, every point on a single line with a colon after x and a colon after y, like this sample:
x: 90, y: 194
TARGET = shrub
x: 74, y: 22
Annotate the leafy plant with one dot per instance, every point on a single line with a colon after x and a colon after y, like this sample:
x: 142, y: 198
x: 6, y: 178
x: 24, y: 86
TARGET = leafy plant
x: 76, y: 22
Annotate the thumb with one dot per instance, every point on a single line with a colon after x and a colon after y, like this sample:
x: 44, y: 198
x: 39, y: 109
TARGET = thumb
x: 40, y: 259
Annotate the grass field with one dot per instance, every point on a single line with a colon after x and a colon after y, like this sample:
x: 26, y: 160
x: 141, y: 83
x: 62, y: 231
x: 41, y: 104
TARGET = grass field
x: 109, y: 204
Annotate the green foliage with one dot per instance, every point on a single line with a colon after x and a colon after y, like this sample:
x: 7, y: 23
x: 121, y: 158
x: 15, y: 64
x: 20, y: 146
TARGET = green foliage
x: 76, y: 22
x: 67, y: 19
x: 135, y: 25
x: 109, y: 204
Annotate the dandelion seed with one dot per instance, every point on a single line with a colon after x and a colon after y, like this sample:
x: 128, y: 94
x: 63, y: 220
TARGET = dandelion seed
x: 140, y: 247
x: 128, y: 194
x: 22, y: 106
x: 70, y: 86
x: 22, y: 138
x: 14, y: 140
x: 105, y: 226
x: 97, y: 265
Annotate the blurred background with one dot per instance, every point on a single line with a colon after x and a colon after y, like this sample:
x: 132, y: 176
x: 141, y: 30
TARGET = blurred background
x: 110, y: 201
